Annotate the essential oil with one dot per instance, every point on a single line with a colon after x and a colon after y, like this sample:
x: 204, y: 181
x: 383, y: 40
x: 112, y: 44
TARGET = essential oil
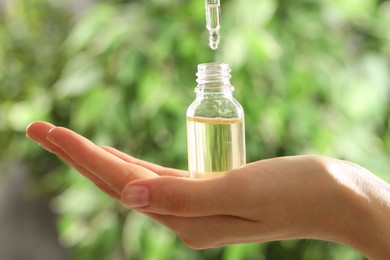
x: 215, y: 124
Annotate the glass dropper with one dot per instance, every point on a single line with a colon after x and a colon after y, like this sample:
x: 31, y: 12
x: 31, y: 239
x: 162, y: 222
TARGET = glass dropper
x: 213, y: 22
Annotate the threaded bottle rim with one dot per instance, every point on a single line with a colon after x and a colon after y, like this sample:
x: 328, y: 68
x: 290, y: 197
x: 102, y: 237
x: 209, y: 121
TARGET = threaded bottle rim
x: 213, y: 72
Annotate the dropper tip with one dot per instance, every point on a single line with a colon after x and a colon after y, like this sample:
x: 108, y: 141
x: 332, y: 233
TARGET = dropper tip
x: 214, y: 40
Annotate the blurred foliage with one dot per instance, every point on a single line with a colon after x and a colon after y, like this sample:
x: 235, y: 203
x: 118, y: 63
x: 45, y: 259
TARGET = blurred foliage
x: 312, y: 76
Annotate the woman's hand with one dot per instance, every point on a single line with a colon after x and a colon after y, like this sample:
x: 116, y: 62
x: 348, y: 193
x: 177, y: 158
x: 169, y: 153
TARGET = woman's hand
x: 276, y: 199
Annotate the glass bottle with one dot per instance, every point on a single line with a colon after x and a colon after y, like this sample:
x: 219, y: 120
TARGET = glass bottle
x: 215, y: 124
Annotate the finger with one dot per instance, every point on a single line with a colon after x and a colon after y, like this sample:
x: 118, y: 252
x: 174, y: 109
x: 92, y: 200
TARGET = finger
x: 187, y: 197
x: 113, y: 171
x: 151, y: 166
x: 38, y: 131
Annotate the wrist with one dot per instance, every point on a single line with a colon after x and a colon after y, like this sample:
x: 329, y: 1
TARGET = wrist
x: 370, y: 233
x: 360, y: 216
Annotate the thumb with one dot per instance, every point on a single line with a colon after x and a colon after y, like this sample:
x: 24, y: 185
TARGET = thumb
x: 182, y: 197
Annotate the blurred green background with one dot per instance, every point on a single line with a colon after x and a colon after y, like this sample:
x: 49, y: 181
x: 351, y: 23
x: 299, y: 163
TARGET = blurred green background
x: 312, y: 76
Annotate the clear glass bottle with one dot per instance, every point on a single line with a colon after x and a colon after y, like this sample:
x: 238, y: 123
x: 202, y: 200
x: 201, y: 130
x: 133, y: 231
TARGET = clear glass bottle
x: 215, y: 124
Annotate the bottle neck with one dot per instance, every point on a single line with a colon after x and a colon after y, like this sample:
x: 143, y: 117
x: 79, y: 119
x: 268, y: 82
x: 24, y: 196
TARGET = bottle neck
x: 214, y: 79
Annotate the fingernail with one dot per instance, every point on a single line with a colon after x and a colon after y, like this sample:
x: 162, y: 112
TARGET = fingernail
x: 136, y: 196
x: 49, y: 136
x: 28, y: 128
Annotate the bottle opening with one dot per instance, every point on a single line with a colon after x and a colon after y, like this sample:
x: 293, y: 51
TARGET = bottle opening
x: 213, y: 72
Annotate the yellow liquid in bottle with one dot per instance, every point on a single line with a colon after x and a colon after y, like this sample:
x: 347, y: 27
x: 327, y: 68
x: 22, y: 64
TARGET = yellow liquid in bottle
x: 215, y: 146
